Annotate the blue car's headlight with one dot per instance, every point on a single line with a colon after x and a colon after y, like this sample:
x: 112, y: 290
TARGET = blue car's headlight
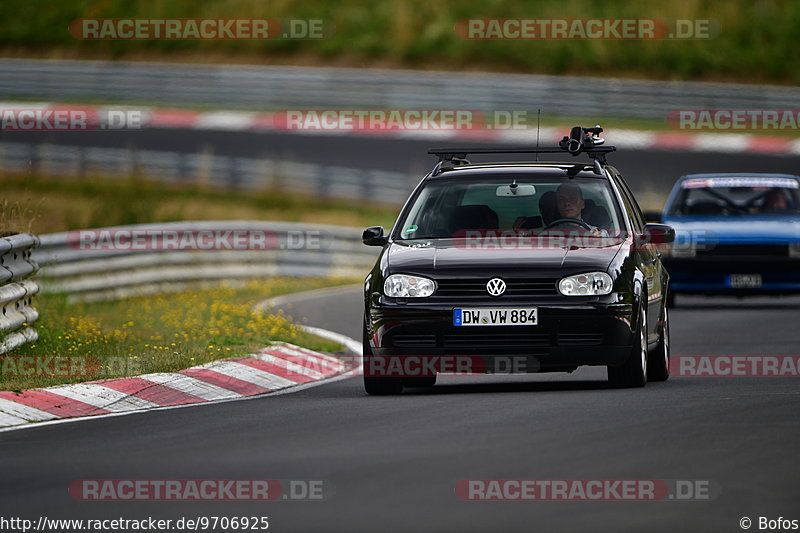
x: 404, y: 286
x: 589, y: 284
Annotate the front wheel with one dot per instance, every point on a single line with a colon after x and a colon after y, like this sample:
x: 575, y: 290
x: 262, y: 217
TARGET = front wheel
x: 377, y: 386
x: 633, y: 373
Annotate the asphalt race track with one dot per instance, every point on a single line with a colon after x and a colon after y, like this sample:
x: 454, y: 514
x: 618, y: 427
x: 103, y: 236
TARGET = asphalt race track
x: 391, y: 464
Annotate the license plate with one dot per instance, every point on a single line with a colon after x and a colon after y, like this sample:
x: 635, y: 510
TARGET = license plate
x: 495, y: 316
x: 744, y: 281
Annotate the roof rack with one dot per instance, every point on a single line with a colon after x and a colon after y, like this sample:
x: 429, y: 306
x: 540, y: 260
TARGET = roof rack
x: 580, y: 140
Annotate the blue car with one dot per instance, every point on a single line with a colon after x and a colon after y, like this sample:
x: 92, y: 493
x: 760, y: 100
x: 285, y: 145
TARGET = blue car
x: 736, y: 234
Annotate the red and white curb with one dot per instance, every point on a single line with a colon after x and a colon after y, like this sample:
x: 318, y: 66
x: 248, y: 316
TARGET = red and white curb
x: 684, y: 141
x: 275, y: 368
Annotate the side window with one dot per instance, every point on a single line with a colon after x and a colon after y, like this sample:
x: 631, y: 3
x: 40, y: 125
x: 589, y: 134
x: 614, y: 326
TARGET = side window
x: 631, y: 207
x: 637, y: 210
x: 678, y: 205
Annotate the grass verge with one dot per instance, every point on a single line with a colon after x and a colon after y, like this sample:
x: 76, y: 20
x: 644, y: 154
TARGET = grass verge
x: 164, y: 333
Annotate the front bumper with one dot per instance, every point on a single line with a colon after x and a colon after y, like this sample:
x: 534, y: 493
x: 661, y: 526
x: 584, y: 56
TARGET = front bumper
x: 566, y: 336
x: 703, y: 276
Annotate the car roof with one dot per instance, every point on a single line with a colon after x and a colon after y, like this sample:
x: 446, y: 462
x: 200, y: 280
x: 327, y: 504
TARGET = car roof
x: 738, y: 175
x: 542, y: 169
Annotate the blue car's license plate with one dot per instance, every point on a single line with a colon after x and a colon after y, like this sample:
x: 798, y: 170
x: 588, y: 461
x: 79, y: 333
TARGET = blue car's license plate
x: 744, y: 281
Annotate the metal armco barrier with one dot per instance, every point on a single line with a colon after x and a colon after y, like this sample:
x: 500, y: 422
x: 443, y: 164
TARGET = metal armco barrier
x: 297, y: 250
x: 277, y: 87
x: 238, y: 173
x: 16, y: 291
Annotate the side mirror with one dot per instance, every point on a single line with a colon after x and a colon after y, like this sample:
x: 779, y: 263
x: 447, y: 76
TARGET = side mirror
x: 374, y: 236
x: 652, y: 216
x: 658, y: 234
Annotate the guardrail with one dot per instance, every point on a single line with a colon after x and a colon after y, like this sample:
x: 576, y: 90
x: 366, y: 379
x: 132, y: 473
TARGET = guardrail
x: 17, y: 290
x: 102, y: 274
x: 238, y: 173
x: 277, y: 87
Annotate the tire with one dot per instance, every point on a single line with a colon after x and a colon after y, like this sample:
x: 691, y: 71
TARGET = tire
x: 421, y: 381
x: 633, y: 373
x: 658, y: 366
x: 378, y: 386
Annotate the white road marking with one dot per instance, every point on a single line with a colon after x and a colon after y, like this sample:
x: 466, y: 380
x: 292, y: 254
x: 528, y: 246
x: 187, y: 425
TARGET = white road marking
x: 101, y: 397
x: 24, y: 412
x: 190, y: 385
x: 248, y: 374
x: 297, y: 368
x: 225, y: 120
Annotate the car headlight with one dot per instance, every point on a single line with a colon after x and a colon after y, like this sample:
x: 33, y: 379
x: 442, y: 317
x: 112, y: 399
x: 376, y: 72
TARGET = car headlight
x: 589, y: 284
x: 404, y: 286
x: 794, y: 249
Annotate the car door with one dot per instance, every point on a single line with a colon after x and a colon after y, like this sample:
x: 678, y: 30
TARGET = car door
x: 648, y: 259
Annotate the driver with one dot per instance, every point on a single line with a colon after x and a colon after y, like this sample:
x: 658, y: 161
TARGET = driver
x: 774, y: 202
x: 569, y: 203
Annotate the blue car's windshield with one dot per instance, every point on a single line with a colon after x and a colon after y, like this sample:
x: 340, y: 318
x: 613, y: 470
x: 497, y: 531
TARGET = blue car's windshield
x: 737, y: 196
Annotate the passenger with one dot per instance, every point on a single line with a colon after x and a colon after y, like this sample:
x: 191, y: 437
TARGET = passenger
x: 775, y: 202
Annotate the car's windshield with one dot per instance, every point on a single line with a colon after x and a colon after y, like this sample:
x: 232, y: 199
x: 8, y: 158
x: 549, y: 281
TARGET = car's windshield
x: 449, y: 207
x: 732, y: 196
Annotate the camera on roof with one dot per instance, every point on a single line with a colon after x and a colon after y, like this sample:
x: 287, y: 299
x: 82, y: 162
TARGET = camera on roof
x: 581, y: 138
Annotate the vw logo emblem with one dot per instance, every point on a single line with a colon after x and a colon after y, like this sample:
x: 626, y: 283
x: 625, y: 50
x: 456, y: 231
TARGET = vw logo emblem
x: 496, y: 287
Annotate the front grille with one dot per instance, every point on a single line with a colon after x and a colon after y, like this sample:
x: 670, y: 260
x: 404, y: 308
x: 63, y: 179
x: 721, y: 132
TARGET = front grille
x: 422, y: 340
x: 580, y: 339
x: 471, y: 339
x: 451, y: 288
x: 745, y: 250
x: 488, y: 339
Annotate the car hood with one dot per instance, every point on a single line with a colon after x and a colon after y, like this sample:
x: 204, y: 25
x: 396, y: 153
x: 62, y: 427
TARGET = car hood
x: 736, y: 230
x: 448, y: 257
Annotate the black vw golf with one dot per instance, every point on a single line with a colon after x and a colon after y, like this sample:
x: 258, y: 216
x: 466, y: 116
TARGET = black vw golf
x: 517, y: 267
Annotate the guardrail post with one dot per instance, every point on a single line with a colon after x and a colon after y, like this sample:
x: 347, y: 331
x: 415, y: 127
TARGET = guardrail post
x: 366, y: 185
x: 17, y: 291
x: 234, y: 173
x: 323, y: 181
